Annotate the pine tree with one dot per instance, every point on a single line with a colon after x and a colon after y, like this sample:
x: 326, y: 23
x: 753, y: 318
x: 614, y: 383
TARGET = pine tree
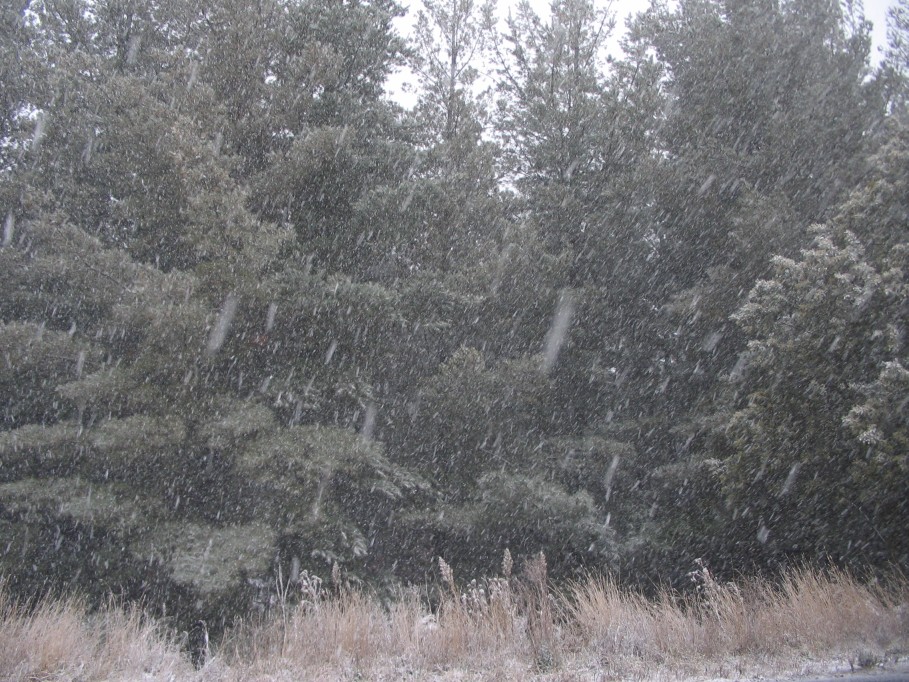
x: 816, y: 454
x: 186, y: 400
x: 758, y: 138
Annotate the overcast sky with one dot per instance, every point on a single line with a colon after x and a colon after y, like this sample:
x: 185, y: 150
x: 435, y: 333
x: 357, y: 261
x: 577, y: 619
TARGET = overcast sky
x: 875, y: 11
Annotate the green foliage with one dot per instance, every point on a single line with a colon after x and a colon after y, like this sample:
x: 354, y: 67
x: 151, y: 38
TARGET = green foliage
x: 256, y: 318
x: 210, y: 559
x: 897, y: 55
x: 549, y: 87
x: 111, y: 506
x: 747, y: 150
x: 526, y: 513
x: 824, y: 381
x: 450, y: 43
x: 481, y: 417
x: 139, y: 357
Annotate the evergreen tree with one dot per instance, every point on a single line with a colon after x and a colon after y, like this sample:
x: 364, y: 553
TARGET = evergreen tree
x: 20, y: 63
x: 817, y: 458
x: 450, y: 43
x: 548, y: 111
x: 334, y: 137
x: 255, y: 318
x: 444, y: 209
x: 896, y: 60
x: 759, y: 137
x: 169, y: 431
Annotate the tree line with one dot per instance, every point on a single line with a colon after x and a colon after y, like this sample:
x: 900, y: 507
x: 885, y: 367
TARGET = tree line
x: 628, y: 310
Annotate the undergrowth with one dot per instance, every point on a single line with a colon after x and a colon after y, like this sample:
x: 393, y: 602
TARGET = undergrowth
x: 517, y: 625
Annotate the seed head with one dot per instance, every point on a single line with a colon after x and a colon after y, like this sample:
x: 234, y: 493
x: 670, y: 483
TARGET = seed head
x: 507, y: 564
x: 447, y: 573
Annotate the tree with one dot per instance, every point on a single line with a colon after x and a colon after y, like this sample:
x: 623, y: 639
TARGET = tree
x: 576, y: 129
x: 449, y: 40
x: 759, y: 137
x: 482, y: 435
x: 815, y: 448
x: 897, y: 56
x: 19, y: 65
x: 167, y: 430
x: 444, y: 209
x: 549, y: 88
x: 332, y: 135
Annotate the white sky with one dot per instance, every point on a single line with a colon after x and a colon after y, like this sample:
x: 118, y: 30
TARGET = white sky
x: 875, y: 12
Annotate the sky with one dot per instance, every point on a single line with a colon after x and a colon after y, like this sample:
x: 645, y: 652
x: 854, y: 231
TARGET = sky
x: 875, y: 12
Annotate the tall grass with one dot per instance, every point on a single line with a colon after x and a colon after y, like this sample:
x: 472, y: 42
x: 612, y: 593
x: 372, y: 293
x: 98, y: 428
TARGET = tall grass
x: 806, y: 615
x: 60, y: 640
x: 507, y: 627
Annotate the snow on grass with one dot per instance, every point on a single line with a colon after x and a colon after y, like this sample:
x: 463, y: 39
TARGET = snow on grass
x: 514, y: 628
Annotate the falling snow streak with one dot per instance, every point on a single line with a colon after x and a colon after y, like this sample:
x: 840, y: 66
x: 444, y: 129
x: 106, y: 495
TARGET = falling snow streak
x: 9, y: 226
x: 558, y: 330
x: 222, y: 325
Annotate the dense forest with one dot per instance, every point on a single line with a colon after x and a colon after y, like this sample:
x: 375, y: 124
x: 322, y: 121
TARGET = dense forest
x: 629, y: 310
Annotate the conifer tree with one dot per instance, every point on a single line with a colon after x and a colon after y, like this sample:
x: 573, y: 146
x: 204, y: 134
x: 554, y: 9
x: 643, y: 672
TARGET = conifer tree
x: 186, y: 400
x: 759, y: 138
x: 816, y: 447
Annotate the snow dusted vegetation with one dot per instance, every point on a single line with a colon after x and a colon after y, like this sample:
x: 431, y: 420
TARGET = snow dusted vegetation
x: 636, y: 319
x: 502, y: 628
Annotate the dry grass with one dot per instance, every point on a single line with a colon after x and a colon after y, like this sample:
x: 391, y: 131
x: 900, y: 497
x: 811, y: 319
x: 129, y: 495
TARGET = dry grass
x: 807, y: 616
x: 59, y: 640
x: 504, y: 628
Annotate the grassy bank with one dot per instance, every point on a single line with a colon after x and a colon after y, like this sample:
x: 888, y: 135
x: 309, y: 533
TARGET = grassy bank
x: 510, y: 627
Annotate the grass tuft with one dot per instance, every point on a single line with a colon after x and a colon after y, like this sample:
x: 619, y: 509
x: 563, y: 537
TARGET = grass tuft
x: 60, y: 640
